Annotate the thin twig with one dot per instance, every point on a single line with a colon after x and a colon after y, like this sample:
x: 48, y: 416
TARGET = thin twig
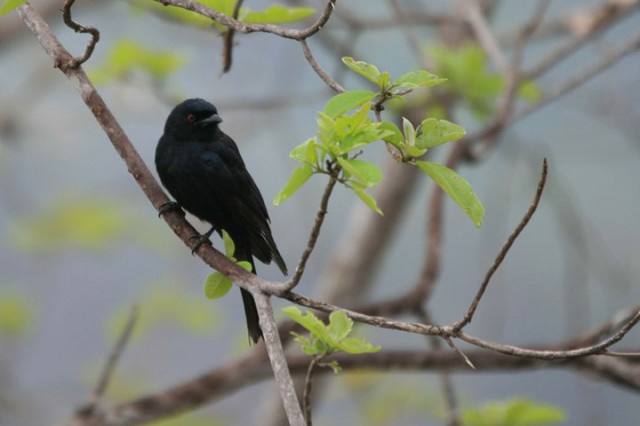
x: 227, y: 43
x: 503, y: 252
x: 318, y: 69
x: 485, y: 36
x: 308, y: 386
x: 313, y: 236
x: 245, y: 28
x: 607, y: 60
x: 452, y: 416
x: 597, y: 349
x: 410, y: 35
x: 95, y: 35
x: 109, y: 367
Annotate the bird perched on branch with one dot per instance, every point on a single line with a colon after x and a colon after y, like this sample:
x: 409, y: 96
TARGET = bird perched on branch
x: 202, y: 169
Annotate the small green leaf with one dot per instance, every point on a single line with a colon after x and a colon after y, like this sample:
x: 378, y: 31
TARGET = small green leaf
x: 299, y: 153
x: 394, y: 136
x: 299, y: 176
x: 457, y: 188
x: 413, y: 151
x: 308, y: 347
x: 347, y: 101
x: 529, y: 91
x: 370, y: 72
x: 367, y: 173
x: 340, y: 325
x: 308, y: 320
x: 433, y: 132
x: 368, y: 200
x: 409, y: 132
x: 419, y: 78
x: 356, y: 346
x: 10, y: 5
x: 246, y: 265
x: 229, y: 245
x: 15, y: 315
x: 216, y: 285
x: 383, y: 80
x: 277, y: 14
x: 515, y: 412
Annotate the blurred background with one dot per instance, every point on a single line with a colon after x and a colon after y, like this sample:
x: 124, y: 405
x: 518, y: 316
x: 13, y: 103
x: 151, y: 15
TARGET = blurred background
x: 79, y: 243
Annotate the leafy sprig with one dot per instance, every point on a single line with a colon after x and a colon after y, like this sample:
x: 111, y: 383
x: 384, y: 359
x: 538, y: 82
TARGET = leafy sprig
x: 345, y: 128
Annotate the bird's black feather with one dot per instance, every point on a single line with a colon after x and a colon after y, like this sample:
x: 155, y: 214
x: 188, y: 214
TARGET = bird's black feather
x: 202, y: 169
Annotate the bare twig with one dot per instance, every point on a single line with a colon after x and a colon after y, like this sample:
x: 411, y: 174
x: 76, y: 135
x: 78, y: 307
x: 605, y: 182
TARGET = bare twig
x: 485, y: 36
x: 313, y: 237
x: 227, y: 45
x: 597, y: 349
x: 610, y: 58
x: 95, y: 35
x: 89, y: 408
x: 503, y: 252
x: 308, y: 386
x: 318, y: 69
x: 253, y: 28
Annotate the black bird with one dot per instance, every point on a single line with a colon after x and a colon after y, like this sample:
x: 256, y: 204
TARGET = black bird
x: 202, y: 169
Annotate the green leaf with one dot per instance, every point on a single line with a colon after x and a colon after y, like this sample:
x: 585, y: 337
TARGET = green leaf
x: 299, y: 153
x: 457, y: 188
x: 10, y: 5
x: 340, y: 325
x: 308, y: 347
x: 15, y: 315
x: 413, y: 151
x: 299, y: 176
x: 367, y: 173
x: 229, y: 245
x: 515, y: 412
x: 277, y: 14
x: 356, y: 346
x: 529, y: 91
x: 128, y: 55
x: 308, y: 320
x: 419, y: 78
x: 370, y: 72
x: 409, y: 132
x: 383, y: 80
x: 394, y: 135
x: 433, y: 132
x: 347, y: 101
x: 217, y: 285
x: 86, y: 223
x: 246, y: 265
x: 368, y: 200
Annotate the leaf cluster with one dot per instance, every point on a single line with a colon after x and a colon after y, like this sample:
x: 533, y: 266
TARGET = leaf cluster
x: 326, y: 339
x: 345, y: 128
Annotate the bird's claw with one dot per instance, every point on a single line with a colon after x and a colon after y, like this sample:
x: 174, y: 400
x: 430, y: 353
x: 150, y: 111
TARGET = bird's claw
x: 168, y: 206
x: 200, y: 239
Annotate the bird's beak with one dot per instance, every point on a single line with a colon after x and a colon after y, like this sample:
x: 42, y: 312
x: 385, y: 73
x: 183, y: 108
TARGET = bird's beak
x: 213, y: 119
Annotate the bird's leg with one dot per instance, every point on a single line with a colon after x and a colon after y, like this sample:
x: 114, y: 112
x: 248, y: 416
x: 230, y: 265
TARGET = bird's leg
x: 201, y: 239
x: 168, y: 206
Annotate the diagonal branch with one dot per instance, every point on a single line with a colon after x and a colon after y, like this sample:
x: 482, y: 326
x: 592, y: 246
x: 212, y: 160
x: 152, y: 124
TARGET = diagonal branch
x: 503, y: 252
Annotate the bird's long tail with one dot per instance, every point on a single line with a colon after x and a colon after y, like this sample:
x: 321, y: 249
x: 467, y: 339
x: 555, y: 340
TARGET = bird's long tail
x: 251, y: 312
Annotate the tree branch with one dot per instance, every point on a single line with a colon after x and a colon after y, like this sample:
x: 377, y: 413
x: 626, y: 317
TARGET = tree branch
x: 252, y: 28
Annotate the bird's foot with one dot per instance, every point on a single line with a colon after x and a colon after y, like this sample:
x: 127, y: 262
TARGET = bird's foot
x: 168, y: 206
x: 199, y: 240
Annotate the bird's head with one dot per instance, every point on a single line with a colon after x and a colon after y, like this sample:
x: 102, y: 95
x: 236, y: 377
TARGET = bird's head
x: 192, y: 116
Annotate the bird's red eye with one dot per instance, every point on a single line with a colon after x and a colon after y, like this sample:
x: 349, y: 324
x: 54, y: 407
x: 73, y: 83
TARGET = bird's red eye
x: 191, y: 118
